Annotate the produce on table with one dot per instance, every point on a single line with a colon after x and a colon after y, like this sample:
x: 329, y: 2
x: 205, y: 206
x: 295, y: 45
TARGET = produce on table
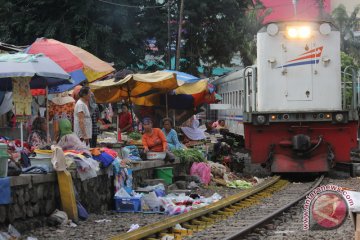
x: 189, y: 155
x: 135, y: 135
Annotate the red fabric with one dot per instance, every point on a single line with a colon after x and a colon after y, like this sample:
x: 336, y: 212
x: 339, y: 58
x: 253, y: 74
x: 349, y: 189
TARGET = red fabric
x: 124, y: 120
x: 37, y: 92
x: 58, y: 52
x: 110, y: 152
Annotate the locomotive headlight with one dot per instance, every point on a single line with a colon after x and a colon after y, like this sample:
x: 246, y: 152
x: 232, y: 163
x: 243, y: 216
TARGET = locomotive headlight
x: 292, y: 32
x: 302, y: 32
x: 339, y: 117
x: 261, y: 119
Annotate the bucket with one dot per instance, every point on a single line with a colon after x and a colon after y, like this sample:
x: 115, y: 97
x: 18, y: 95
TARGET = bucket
x: 4, y: 156
x: 165, y: 173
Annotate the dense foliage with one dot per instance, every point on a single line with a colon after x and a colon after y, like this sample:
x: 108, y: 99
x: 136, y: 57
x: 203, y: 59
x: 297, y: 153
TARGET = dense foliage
x: 347, y: 24
x: 118, y: 32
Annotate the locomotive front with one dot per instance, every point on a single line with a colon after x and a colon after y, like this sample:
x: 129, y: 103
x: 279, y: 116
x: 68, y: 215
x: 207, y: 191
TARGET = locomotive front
x: 296, y: 117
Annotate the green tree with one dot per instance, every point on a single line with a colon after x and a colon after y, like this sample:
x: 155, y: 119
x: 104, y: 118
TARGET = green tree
x: 212, y: 32
x: 347, y: 24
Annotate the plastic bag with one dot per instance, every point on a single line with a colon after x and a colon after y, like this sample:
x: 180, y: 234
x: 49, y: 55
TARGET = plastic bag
x: 202, y: 170
x: 134, y: 153
x: 122, y: 193
x: 83, y: 214
x: 58, y: 159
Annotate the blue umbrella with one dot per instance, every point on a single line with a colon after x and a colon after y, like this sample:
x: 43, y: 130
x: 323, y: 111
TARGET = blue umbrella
x: 43, y: 71
x: 184, y: 77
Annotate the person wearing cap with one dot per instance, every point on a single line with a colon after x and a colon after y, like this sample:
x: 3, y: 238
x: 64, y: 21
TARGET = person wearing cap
x: 82, y: 117
x: 154, y: 140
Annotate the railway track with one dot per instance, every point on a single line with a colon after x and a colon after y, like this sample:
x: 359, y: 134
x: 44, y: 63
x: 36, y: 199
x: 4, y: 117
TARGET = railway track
x: 199, y: 219
x: 229, y: 218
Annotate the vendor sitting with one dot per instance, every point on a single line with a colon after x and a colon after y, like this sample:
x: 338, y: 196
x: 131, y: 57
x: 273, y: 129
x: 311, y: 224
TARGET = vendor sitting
x: 171, y: 135
x: 154, y: 140
x: 37, y: 137
x: 69, y: 140
x: 125, y: 119
x: 193, y: 133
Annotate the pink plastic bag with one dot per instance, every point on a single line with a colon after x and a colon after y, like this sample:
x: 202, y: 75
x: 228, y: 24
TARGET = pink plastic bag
x: 202, y: 170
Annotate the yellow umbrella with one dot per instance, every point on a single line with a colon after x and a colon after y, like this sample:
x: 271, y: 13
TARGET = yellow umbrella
x: 192, y: 88
x: 134, y: 86
x: 186, y: 88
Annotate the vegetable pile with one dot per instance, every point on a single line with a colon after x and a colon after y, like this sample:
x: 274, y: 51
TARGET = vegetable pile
x: 135, y: 136
x: 189, y: 155
x: 239, y: 184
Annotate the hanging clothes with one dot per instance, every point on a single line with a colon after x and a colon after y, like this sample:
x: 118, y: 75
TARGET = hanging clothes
x: 22, y: 97
x: 61, y: 107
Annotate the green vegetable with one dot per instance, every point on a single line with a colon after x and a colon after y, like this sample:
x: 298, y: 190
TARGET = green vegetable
x: 189, y: 155
x: 239, y: 184
x: 135, y: 135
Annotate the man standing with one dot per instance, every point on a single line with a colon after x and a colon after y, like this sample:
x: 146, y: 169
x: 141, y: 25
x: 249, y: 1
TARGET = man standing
x: 82, y: 117
x: 95, y: 115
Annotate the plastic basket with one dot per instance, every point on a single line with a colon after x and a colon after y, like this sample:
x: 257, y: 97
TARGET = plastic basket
x: 132, y: 204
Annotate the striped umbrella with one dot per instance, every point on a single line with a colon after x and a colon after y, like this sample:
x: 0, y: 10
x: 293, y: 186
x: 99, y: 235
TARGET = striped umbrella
x: 80, y: 64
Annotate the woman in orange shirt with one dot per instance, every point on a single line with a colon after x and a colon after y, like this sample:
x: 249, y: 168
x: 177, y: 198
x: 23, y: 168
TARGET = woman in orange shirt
x: 154, y: 140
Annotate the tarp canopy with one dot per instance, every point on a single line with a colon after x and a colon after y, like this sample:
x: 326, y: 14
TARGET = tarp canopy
x: 134, y: 86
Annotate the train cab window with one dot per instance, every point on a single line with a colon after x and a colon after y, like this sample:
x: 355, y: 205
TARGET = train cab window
x: 236, y: 99
x: 240, y: 99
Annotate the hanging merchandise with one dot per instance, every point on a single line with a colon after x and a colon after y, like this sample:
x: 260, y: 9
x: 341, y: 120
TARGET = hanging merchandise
x: 22, y: 97
x: 6, y: 104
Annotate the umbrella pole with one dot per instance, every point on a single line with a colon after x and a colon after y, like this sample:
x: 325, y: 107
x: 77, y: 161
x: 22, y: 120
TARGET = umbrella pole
x: 47, y: 115
x: 130, y: 105
x: 166, y: 105
x: 174, y: 119
x: 22, y: 134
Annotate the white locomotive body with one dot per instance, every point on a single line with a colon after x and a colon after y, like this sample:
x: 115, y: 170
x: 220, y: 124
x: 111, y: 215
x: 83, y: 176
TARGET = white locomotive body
x: 293, y: 109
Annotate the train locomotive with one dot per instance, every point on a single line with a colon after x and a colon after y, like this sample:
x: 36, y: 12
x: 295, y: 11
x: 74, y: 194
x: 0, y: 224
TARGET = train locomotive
x: 293, y: 108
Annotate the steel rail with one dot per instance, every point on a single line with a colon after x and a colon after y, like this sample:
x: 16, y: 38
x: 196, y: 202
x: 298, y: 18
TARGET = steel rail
x: 185, y: 217
x: 244, y: 231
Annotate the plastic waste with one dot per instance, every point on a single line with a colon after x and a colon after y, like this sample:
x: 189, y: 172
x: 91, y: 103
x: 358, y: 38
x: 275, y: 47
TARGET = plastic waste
x: 122, y: 193
x: 13, y: 232
x: 133, y: 227
x: 102, y: 220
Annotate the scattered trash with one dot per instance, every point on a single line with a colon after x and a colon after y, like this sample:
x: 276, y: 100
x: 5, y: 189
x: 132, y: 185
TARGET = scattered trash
x: 179, y: 227
x: 167, y: 237
x: 13, y: 232
x: 192, y: 185
x: 58, y: 217
x: 71, y: 224
x: 133, y: 227
x: 102, y: 220
x: 4, y: 236
x: 31, y: 238
x: 122, y: 193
